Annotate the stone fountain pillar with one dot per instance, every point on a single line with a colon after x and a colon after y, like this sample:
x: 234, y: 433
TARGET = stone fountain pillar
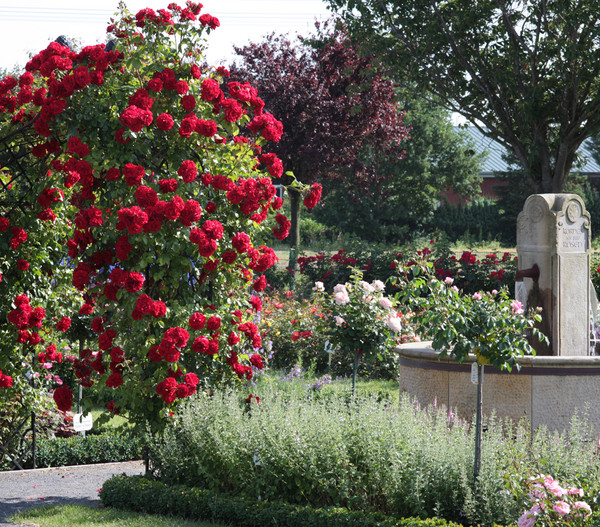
x: 554, y: 234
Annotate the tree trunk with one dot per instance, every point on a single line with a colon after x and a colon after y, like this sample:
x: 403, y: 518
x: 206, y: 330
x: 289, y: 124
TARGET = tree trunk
x: 562, y: 166
x: 294, y: 238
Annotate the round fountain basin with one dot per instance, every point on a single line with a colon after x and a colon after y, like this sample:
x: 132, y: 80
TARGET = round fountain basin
x: 546, y: 391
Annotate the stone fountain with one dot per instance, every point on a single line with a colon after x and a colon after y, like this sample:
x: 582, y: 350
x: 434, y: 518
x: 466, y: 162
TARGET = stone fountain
x: 553, y: 246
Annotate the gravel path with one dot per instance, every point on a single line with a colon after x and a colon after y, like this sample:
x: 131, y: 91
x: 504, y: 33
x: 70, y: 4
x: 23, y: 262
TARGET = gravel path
x: 21, y: 489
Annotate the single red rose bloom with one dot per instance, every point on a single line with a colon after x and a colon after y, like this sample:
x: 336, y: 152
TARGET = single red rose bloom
x: 197, y: 321
x: 63, y: 324
x: 63, y: 397
x: 164, y: 122
x: 188, y: 171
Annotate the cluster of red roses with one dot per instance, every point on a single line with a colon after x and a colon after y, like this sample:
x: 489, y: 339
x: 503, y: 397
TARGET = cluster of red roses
x: 128, y: 201
x: 468, y: 260
x: 165, y: 18
x: 169, y: 389
x: 50, y: 355
x: 296, y: 335
x: 92, y: 62
x: 6, y: 381
x: 24, y: 316
x: 313, y: 197
x: 339, y: 258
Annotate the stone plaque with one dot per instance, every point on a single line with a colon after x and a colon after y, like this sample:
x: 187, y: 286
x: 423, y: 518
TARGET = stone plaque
x: 572, y: 238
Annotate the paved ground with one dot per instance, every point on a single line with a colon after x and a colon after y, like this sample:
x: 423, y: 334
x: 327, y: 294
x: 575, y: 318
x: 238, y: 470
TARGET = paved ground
x: 20, y: 489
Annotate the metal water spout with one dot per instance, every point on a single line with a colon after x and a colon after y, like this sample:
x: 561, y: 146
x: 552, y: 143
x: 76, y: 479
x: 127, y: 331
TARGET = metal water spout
x: 533, y: 272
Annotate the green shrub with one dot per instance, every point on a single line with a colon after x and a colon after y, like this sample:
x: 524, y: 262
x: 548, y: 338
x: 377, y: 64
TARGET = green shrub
x: 318, y: 453
x: 106, y: 447
x: 324, y: 450
x: 475, y: 221
x: 143, y: 495
x: 313, y: 233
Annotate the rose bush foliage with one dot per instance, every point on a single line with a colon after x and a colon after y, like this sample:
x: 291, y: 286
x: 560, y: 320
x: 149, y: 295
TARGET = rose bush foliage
x: 470, y: 272
x: 293, y: 331
x: 150, y: 179
x: 489, y: 325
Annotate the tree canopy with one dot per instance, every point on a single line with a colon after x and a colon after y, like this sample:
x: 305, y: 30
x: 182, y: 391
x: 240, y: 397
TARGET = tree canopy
x: 438, y: 157
x: 334, y: 104
x: 526, y: 72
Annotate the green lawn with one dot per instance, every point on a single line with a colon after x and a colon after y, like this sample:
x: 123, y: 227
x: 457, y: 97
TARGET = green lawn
x: 84, y: 516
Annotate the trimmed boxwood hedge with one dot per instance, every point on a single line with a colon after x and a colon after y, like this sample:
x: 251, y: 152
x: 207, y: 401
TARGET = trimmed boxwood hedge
x: 107, y: 447
x: 141, y: 494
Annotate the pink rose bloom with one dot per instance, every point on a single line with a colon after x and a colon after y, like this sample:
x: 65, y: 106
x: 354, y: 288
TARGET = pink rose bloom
x: 395, y: 324
x: 339, y: 321
x: 552, y: 485
x: 341, y: 298
x: 527, y: 519
x: 582, y: 505
x: 517, y: 308
x: 448, y: 280
x: 477, y: 296
x: 561, y: 508
x: 573, y: 490
x: 454, y: 288
x: 385, y: 302
x: 339, y: 288
x: 537, y: 492
x: 366, y: 286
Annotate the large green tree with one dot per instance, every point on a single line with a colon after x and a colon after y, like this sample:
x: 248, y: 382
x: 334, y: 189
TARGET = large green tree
x: 526, y: 72
x: 438, y: 157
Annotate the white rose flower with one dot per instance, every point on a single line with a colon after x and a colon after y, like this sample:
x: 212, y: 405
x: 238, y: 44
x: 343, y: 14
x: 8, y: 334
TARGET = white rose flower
x: 378, y: 285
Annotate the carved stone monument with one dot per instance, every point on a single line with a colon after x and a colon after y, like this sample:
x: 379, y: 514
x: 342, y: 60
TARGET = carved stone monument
x: 553, y: 245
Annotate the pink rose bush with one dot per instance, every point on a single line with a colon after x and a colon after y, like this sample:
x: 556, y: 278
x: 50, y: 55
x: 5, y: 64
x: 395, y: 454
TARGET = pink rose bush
x: 362, y: 321
x: 551, y: 504
x: 485, y: 324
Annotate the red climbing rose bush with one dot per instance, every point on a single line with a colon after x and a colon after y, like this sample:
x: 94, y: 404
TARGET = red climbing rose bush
x: 36, y: 297
x: 157, y: 162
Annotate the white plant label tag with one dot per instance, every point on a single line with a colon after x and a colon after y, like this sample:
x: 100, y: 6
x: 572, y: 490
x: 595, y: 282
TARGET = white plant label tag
x: 474, y: 375
x: 82, y: 422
